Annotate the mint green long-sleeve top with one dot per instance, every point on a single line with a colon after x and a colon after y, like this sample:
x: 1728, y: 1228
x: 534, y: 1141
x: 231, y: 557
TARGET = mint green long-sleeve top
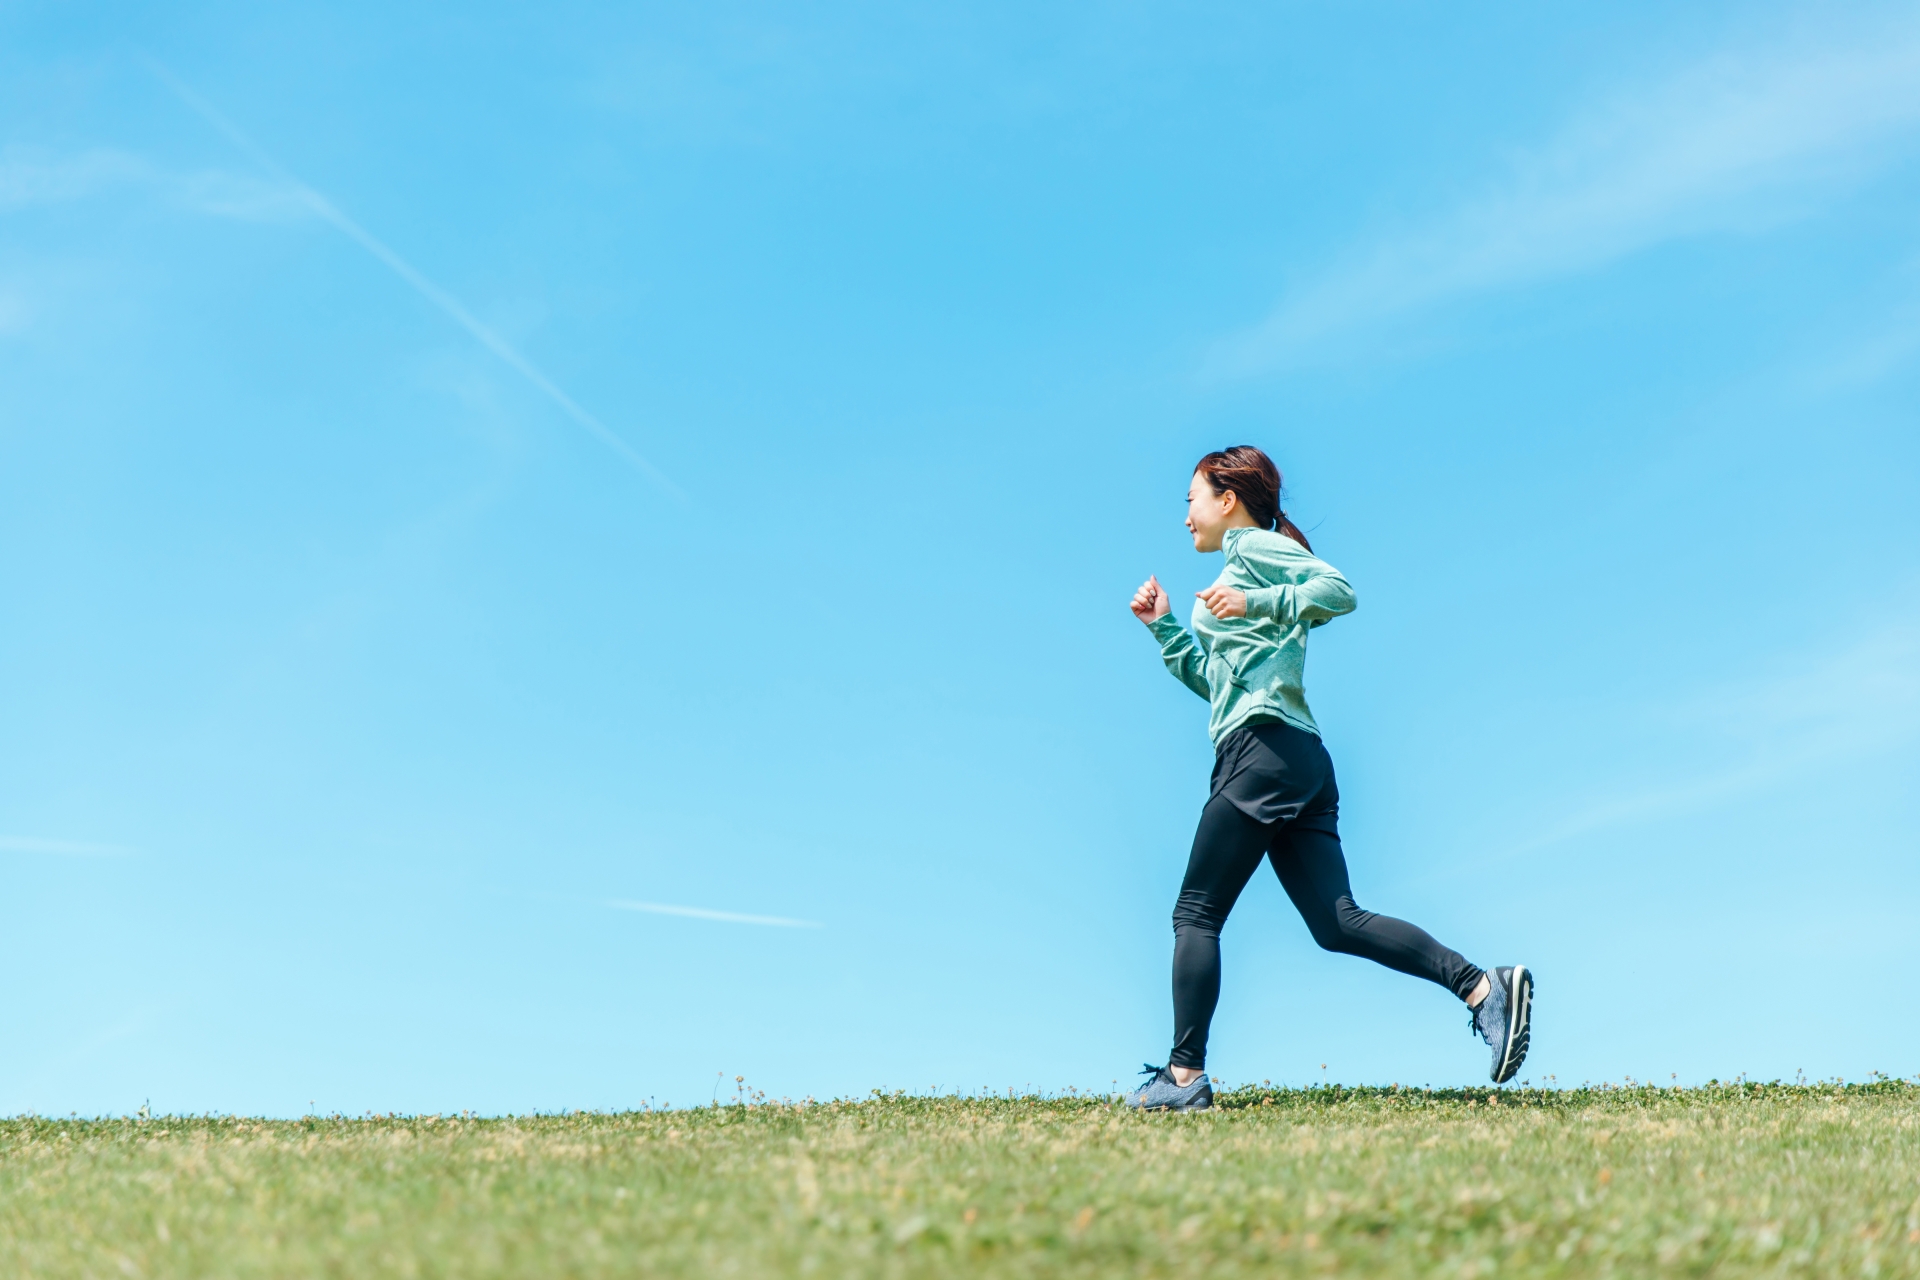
x: 1251, y: 669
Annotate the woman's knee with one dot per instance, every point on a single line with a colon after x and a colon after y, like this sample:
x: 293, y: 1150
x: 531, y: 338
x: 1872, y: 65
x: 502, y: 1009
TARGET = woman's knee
x: 1342, y: 928
x: 1332, y: 937
x: 1195, y: 912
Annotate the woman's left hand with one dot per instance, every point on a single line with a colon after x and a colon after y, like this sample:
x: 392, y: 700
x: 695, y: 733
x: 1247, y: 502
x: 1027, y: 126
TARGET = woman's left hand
x: 1224, y: 602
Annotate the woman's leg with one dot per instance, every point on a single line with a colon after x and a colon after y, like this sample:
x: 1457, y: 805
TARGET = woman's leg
x: 1313, y: 870
x: 1226, y: 849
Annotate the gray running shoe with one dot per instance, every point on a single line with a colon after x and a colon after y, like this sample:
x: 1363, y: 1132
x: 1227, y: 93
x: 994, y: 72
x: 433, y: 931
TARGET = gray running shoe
x: 1505, y: 1018
x: 1162, y: 1094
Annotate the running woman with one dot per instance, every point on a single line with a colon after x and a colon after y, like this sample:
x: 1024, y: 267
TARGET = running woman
x: 1273, y: 794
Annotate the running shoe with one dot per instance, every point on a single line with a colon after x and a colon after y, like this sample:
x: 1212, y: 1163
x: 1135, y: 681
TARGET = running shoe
x: 1162, y: 1094
x: 1505, y: 1018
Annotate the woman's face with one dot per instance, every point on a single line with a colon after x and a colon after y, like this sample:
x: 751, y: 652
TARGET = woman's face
x: 1210, y: 514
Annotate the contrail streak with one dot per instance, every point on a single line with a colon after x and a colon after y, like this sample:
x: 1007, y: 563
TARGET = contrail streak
x: 701, y: 913
x: 326, y: 210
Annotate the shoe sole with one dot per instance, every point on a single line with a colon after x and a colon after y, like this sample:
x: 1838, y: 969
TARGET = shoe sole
x: 1519, y: 1023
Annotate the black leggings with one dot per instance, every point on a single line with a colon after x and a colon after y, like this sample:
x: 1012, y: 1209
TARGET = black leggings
x: 1305, y: 851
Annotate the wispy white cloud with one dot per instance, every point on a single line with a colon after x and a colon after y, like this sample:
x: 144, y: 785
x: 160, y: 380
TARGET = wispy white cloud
x: 701, y: 913
x: 327, y: 211
x: 1848, y: 703
x: 231, y: 195
x: 32, y: 177
x: 1738, y: 142
x: 1885, y: 348
x: 29, y: 177
x: 15, y: 314
x: 65, y: 848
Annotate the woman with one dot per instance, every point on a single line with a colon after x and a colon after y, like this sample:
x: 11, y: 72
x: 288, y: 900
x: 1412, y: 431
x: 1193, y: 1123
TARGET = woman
x: 1273, y: 793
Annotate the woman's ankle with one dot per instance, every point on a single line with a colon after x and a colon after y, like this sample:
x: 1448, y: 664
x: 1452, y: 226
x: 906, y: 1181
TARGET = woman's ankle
x: 1481, y: 991
x: 1184, y: 1076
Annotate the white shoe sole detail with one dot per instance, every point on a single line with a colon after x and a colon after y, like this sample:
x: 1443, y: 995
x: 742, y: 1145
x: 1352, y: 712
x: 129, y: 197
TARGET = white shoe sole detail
x: 1202, y: 1100
x: 1519, y: 1022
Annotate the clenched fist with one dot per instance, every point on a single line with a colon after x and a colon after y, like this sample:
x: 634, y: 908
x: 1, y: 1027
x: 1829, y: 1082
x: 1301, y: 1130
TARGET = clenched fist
x: 1224, y: 602
x: 1150, y: 601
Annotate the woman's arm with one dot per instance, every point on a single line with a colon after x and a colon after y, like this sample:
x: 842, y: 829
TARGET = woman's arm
x: 1323, y: 595
x: 1177, y: 649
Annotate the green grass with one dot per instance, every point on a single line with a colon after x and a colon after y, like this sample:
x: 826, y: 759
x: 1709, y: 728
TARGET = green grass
x: 1732, y: 1180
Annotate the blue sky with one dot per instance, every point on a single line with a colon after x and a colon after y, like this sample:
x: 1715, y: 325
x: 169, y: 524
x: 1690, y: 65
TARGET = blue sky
x: 554, y: 556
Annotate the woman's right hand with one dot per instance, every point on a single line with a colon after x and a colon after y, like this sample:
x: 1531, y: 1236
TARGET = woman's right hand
x: 1150, y: 602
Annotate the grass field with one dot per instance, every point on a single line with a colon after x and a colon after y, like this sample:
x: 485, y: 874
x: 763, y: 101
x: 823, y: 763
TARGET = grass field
x: 1734, y: 1180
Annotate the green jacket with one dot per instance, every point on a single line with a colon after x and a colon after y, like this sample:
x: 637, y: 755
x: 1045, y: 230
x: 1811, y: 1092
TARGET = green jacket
x: 1251, y: 668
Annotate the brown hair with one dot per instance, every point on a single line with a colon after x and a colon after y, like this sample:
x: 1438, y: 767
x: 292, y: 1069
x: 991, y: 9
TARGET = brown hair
x: 1251, y: 476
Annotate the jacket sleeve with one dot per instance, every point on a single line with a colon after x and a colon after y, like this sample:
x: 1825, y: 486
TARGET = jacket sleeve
x: 1181, y: 654
x: 1319, y: 597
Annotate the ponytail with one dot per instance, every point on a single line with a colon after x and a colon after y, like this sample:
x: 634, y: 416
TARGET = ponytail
x: 1282, y: 525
